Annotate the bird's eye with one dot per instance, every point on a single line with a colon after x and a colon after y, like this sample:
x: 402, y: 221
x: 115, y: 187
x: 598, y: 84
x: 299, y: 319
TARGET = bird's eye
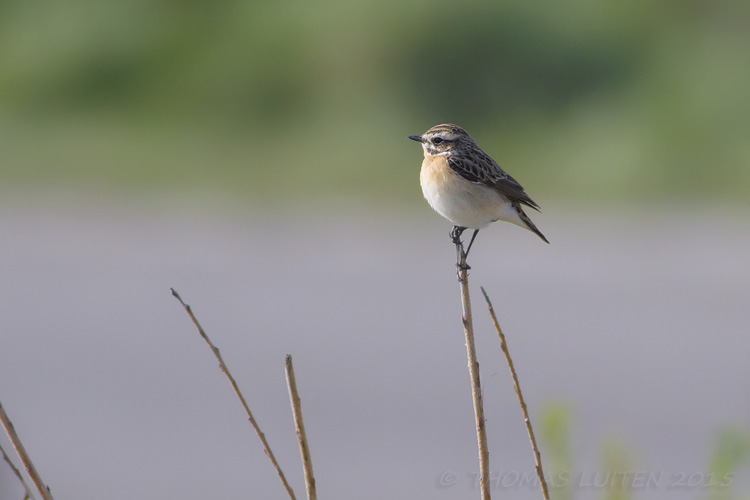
x: 437, y: 140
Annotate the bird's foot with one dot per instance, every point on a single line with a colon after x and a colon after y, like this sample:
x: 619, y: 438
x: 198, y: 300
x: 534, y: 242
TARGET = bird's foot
x: 456, y: 233
x: 461, y: 265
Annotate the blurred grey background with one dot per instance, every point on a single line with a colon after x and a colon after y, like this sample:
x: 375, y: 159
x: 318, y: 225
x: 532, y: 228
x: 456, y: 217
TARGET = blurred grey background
x: 253, y: 155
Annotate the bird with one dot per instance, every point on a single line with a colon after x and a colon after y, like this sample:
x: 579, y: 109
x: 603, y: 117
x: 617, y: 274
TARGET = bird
x: 466, y: 186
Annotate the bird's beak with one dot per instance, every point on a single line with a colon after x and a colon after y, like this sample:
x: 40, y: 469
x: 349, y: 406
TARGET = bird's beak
x: 417, y: 138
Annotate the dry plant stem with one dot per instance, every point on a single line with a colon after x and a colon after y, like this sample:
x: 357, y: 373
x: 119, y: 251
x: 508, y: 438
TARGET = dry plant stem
x: 17, y: 473
x: 23, y: 456
x: 299, y: 426
x: 476, y: 390
x: 517, y: 387
x: 236, y: 389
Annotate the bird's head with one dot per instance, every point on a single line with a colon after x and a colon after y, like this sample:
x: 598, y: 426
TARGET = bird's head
x: 442, y: 140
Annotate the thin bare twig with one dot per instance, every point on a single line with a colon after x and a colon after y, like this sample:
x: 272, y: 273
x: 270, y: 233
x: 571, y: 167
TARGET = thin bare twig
x: 236, y: 390
x: 18, y: 474
x: 476, y: 390
x: 23, y: 456
x: 299, y: 425
x: 517, y: 387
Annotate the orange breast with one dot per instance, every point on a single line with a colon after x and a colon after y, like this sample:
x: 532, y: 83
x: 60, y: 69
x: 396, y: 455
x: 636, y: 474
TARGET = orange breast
x: 436, y: 173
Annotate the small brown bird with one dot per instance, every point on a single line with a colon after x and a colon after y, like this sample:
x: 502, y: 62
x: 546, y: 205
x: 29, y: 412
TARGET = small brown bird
x: 463, y: 184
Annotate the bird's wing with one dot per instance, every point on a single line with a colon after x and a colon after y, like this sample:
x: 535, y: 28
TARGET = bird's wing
x: 480, y: 168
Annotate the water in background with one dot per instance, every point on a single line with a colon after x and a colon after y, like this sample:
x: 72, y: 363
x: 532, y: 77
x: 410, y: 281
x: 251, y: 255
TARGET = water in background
x: 253, y: 155
x: 637, y: 322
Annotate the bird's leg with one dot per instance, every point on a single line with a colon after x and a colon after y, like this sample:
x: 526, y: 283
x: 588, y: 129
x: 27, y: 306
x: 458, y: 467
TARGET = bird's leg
x: 461, y: 264
x: 456, y: 233
x: 471, y: 242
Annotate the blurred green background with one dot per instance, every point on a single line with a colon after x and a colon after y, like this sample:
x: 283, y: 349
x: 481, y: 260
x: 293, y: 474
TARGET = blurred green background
x: 639, y: 321
x: 586, y: 101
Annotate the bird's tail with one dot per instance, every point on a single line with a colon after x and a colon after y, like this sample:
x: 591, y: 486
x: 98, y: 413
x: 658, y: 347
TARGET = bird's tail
x: 530, y: 225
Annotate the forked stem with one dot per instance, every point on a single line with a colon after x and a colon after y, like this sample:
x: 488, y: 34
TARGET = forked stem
x: 476, y: 390
x: 17, y: 473
x: 299, y: 426
x: 517, y: 387
x: 236, y: 390
x: 23, y: 456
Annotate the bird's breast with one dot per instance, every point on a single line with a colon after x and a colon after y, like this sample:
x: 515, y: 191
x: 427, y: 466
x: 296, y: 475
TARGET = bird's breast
x: 436, y: 175
x: 441, y: 186
x: 465, y: 203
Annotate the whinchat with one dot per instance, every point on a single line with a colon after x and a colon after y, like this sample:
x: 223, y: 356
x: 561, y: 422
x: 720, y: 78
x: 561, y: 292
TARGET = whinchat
x: 463, y: 184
